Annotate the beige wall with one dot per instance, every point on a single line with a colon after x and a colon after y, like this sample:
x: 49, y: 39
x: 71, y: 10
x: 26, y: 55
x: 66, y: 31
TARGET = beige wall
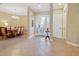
x: 65, y: 10
x: 22, y: 21
x: 73, y: 23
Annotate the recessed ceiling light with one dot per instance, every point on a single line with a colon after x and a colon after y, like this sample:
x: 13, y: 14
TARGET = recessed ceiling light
x: 39, y: 6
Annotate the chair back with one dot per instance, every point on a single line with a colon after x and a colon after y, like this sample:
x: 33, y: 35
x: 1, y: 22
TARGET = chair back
x: 8, y: 28
x: 22, y: 30
x: 19, y: 30
x: 3, y: 30
x: 12, y: 28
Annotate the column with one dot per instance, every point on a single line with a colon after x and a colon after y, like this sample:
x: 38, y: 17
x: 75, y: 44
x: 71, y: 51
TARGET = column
x: 51, y: 20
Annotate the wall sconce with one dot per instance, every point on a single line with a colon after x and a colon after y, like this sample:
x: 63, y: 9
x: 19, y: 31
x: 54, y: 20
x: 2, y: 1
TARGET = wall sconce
x: 15, y: 15
x: 6, y: 24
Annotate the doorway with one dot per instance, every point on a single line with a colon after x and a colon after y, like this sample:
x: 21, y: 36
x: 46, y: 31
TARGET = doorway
x: 42, y: 22
x: 57, y: 25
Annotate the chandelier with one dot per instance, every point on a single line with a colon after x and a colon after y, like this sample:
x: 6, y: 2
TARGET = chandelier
x: 15, y: 16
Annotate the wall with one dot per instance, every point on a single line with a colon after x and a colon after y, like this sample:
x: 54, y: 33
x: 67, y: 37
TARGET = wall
x: 73, y: 23
x: 22, y: 21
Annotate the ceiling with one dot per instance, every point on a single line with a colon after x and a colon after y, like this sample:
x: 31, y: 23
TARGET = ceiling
x: 21, y: 8
x: 58, y: 5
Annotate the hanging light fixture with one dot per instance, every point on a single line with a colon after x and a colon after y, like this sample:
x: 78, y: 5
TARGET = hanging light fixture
x: 15, y: 16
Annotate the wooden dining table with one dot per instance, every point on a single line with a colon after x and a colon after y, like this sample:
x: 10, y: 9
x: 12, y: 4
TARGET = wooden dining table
x: 12, y: 32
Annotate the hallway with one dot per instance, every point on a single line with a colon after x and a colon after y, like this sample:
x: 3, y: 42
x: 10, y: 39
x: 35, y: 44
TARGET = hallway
x: 23, y: 46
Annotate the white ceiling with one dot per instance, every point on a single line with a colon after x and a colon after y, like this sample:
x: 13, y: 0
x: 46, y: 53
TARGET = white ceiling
x: 21, y: 8
x: 58, y: 5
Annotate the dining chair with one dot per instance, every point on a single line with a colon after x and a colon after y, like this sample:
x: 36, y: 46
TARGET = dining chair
x: 3, y: 33
x: 19, y: 31
x: 8, y: 30
x: 22, y: 30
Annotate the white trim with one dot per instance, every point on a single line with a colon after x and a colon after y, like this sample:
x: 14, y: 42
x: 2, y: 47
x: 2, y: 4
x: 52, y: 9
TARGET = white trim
x: 57, y: 37
x: 73, y: 44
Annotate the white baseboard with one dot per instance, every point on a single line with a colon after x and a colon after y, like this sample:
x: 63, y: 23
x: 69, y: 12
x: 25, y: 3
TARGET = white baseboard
x: 73, y: 44
x: 57, y: 37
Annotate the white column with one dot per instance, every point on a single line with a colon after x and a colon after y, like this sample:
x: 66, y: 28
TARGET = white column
x: 28, y: 21
x: 51, y: 20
